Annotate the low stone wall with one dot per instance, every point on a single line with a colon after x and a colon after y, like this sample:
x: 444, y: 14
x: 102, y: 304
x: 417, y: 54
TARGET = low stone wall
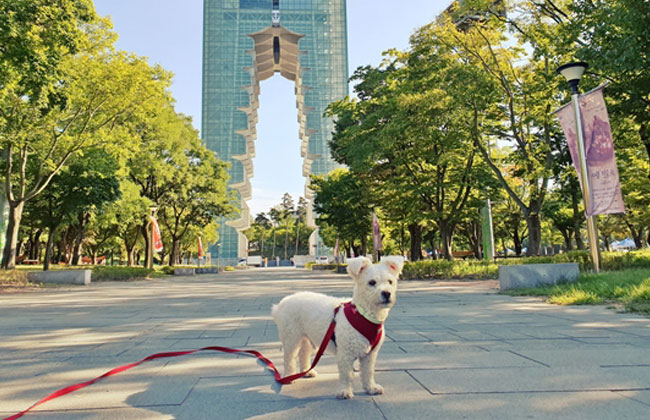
x: 183, y: 271
x: 533, y: 275
x: 207, y: 270
x: 323, y: 267
x: 60, y: 276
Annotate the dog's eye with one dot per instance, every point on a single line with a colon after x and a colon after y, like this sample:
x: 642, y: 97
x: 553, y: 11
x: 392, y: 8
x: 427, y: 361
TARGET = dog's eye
x: 390, y: 282
x: 372, y: 282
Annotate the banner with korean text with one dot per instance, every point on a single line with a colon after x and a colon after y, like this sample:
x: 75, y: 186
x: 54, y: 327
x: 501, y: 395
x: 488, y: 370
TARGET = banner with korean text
x: 606, y: 197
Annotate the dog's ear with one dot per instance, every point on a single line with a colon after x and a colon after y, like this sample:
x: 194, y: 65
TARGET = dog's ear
x: 394, y: 264
x: 357, y: 265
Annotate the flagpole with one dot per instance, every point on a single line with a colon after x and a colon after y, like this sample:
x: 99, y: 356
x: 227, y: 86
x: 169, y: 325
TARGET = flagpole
x: 573, y: 72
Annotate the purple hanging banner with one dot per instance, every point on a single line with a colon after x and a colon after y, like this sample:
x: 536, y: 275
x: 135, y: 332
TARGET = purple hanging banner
x: 606, y: 197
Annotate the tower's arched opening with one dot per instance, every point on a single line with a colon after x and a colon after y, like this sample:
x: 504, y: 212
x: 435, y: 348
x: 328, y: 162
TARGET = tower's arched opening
x: 277, y: 163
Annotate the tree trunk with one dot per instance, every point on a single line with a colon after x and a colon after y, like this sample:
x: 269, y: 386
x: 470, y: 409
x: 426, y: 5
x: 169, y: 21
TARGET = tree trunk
x: 567, y: 239
x: 173, y: 256
x: 578, y: 218
x: 9, y: 251
x: 76, y: 254
x: 34, y: 245
x: 364, y: 246
x: 474, y: 236
x: 416, y: 241
x: 49, y: 248
x: 273, y: 250
x: 286, y: 242
x: 606, y: 242
x: 145, y: 233
x: 534, y: 234
x: 297, y: 236
x: 130, y: 256
x: 644, y: 133
x: 636, y: 236
x: 446, y: 236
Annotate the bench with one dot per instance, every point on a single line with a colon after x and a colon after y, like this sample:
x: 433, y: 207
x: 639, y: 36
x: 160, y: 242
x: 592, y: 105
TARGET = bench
x: 462, y: 254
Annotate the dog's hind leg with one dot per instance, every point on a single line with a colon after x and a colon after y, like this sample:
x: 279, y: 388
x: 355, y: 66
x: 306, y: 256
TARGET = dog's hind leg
x: 291, y: 346
x: 304, y: 356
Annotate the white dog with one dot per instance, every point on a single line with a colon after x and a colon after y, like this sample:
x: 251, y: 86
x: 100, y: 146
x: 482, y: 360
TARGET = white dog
x: 304, y: 318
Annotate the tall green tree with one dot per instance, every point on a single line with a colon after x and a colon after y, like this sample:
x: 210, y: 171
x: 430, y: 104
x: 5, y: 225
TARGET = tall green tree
x: 102, y: 91
x: 613, y: 36
x: 74, y: 195
x: 36, y: 37
x: 197, y: 194
x: 520, y: 115
x: 343, y: 202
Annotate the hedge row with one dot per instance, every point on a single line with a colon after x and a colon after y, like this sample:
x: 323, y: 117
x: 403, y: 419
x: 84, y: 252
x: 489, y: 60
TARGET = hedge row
x: 473, y: 269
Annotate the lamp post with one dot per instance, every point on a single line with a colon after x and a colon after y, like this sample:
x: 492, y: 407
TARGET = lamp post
x: 153, y: 210
x: 573, y: 72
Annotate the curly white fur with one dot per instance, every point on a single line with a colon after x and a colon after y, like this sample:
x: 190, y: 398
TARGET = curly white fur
x: 303, y: 319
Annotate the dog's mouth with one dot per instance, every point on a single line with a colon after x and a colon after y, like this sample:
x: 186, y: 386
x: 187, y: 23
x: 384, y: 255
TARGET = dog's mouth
x: 387, y: 302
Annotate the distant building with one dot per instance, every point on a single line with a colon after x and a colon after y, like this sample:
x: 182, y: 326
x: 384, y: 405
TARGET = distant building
x: 246, y: 42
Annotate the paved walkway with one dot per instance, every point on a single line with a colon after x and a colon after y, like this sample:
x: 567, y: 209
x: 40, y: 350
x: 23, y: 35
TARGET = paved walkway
x: 454, y: 351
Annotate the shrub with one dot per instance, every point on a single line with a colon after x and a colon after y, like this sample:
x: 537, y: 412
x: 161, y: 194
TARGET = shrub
x: 443, y: 269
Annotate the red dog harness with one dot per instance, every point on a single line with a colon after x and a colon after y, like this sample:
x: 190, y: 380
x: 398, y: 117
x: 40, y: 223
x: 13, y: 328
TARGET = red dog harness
x: 368, y: 329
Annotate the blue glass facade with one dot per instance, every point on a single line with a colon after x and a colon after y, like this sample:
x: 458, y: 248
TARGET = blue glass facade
x: 245, y: 42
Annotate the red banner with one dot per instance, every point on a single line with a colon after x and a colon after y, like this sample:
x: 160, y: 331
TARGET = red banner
x: 157, y: 238
x: 606, y: 197
x: 200, y: 248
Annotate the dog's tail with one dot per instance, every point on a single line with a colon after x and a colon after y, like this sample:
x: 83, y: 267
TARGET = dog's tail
x: 274, y: 312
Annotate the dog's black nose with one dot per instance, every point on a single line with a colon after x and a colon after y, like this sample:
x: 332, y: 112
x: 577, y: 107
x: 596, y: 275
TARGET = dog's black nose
x: 386, y: 296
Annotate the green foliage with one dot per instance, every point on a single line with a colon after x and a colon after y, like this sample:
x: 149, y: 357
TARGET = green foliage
x: 109, y: 273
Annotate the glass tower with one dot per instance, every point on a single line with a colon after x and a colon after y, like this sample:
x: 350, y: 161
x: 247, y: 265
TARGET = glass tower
x: 246, y: 42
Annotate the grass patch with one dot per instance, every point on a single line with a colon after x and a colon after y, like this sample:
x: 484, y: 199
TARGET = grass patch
x: 630, y: 288
x: 14, y: 280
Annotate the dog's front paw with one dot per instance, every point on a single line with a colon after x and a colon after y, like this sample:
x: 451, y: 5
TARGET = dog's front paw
x: 311, y: 374
x: 375, y: 389
x: 346, y: 394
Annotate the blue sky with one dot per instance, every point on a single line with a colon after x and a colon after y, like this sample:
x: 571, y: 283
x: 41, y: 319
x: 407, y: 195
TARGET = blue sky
x: 169, y: 32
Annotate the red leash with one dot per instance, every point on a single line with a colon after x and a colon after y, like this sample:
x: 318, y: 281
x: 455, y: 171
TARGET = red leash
x: 267, y: 362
